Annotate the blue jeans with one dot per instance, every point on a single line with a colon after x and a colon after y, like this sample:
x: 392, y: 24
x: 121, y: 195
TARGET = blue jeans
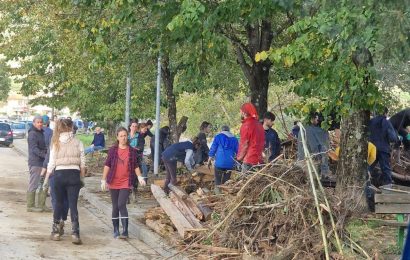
x: 92, y: 149
x: 221, y: 175
x: 64, y: 212
x: 144, y: 168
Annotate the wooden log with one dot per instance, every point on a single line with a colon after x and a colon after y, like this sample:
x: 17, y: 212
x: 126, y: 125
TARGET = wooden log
x: 393, y: 208
x: 401, y: 198
x: 194, y: 208
x: 178, y: 191
x: 177, y: 218
x: 206, y: 211
x: 159, y: 227
x: 215, y: 249
x: 179, y: 202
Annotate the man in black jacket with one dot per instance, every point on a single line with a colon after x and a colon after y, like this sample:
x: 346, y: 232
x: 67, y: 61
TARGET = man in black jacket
x: 400, y: 122
x: 37, y: 151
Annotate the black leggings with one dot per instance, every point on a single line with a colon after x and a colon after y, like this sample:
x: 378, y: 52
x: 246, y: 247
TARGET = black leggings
x: 119, y: 203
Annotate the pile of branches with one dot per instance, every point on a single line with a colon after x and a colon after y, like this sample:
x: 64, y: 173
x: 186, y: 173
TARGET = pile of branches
x: 272, y: 212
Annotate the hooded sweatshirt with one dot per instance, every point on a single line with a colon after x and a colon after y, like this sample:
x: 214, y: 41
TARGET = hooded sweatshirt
x: 70, y: 155
x: 224, y: 148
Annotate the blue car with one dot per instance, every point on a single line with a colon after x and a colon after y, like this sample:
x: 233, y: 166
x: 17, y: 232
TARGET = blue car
x: 6, y: 135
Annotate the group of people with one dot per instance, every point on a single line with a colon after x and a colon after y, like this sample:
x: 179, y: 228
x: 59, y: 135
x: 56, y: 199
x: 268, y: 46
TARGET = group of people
x: 258, y: 143
x: 56, y: 161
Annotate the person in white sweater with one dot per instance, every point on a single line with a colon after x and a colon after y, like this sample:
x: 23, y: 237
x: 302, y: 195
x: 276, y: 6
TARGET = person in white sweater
x: 68, y: 162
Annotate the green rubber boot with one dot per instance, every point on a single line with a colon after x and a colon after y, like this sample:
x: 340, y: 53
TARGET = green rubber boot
x: 31, y: 200
x: 42, y: 196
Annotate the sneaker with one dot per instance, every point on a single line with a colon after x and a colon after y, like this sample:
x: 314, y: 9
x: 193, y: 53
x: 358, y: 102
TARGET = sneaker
x: 75, y: 239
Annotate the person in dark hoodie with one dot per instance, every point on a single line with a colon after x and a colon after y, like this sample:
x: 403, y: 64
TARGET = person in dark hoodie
x: 164, y: 141
x: 37, y: 151
x: 179, y: 152
x: 400, y: 122
x: 201, y: 155
x: 272, y: 141
x: 223, y: 150
x: 98, y: 142
x: 382, y: 133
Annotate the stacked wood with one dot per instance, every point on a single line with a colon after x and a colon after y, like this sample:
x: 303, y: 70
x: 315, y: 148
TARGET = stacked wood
x: 157, y: 220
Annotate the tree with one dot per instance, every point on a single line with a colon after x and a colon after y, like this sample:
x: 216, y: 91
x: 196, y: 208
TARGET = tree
x: 247, y: 26
x: 333, y: 58
x: 5, y: 82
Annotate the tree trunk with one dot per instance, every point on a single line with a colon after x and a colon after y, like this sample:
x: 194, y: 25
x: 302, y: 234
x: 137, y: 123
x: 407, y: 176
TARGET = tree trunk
x: 168, y: 79
x: 259, y: 39
x: 352, y: 165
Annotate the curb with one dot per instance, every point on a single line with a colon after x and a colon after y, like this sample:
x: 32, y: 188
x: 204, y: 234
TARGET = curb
x: 137, y: 230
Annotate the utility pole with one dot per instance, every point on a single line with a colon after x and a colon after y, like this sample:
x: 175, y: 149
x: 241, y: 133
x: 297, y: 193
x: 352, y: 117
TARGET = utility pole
x: 157, y: 118
x: 128, y: 97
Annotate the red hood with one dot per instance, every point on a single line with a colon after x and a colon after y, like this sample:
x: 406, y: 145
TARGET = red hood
x: 250, y: 110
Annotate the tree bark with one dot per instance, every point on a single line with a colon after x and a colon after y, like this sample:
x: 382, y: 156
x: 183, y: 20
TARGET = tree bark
x: 352, y: 165
x: 259, y: 39
x: 168, y: 79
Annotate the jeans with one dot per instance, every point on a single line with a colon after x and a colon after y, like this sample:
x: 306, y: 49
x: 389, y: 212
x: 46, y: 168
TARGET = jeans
x: 119, y: 199
x: 171, y: 167
x: 92, y: 149
x: 144, y: 168
x: 53, y: 199
x: 383, y: 159
x: 221, y: 176
x: 67, y: 182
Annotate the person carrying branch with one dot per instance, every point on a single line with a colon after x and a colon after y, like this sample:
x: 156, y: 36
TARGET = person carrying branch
x: 120, y: 170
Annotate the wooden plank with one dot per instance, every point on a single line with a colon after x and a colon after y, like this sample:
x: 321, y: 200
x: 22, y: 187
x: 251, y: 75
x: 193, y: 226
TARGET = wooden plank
x: 395, y: 198
x: 391, y: 223
x: 393, y: 208
x: 178, y: 191
x: 177, y: 218
x: 178, y: 201
x: 395, y: 187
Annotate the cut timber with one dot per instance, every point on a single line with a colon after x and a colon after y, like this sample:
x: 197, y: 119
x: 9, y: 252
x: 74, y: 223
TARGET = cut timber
x: 159, y: 227
x: 393, y: 208
x: 178, y: 191
x: 177, y: 218
x: 179, y: 202
x: 206, y: 211
x: 400, y: 198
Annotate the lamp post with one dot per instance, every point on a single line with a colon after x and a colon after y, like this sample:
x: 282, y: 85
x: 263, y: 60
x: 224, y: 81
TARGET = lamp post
x: 157, y: 118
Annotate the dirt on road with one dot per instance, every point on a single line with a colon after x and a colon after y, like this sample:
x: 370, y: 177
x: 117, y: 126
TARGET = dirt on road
x: 25, y: 235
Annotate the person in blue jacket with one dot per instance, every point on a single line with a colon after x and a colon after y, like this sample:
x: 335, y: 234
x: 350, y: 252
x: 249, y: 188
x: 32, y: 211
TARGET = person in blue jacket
x: 179, y: 152
x: 382, y: 133
x: 223, y: 149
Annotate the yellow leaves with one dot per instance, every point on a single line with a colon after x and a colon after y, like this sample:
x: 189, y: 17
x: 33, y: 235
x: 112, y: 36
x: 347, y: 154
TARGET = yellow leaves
x: 327, y: 52
x: 305, y: 109
x: 210, y: 45
x: 82, y: 24
x: 261, y: 56
x: 288, y: 61
x: 339, y: 102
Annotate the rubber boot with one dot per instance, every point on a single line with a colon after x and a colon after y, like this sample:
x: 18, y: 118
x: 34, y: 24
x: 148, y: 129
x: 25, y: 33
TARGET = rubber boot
x: 75, y: 236
x: 116, y: 225
x: 42, y: 196
x: 61, y: 227
x: 55, y: 235
x: 124, y: 234
x: 31, y: 199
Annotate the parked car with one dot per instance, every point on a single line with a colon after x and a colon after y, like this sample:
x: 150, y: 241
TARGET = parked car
x: 19, y: 130
x: 29, y: 124
x: 6, y: 134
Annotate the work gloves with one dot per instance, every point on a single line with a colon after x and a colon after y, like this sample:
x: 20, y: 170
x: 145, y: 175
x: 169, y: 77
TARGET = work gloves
x: 141, y: 180
x: 104, y: 185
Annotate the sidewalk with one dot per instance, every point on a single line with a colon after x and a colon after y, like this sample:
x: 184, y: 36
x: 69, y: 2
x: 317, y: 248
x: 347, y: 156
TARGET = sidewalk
x: 102, y: 201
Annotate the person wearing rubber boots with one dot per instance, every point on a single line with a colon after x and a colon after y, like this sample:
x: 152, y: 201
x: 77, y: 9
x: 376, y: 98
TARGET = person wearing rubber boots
x: 67, y: 159
x: 37, y: 151
x: 120, y: 170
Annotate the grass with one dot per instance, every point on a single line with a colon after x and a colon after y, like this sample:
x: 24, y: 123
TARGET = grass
x: 86, y: 139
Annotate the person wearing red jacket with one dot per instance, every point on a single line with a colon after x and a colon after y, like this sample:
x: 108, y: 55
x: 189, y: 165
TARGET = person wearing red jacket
x: 252, y: 140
